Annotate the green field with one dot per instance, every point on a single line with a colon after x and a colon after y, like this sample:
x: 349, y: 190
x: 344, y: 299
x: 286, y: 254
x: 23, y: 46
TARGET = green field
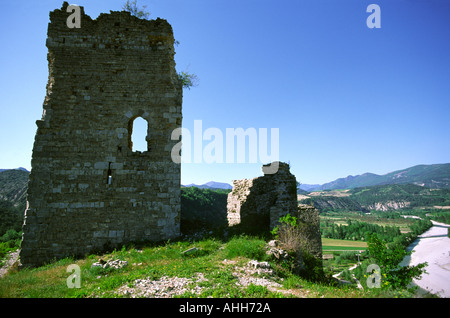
x: 329, y: 244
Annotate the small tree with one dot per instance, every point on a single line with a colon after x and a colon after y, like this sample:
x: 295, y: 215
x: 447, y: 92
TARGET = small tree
x: 287, y: 232
x: 293, y: 236
x: 188, y: 80
x: 388, y: 258
x: 131, y: 6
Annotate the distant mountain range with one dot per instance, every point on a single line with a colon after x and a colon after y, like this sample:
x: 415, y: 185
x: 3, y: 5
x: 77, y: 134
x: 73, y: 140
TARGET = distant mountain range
x: 210, y: 185
x: 432, y: 176
x: 20, y: 168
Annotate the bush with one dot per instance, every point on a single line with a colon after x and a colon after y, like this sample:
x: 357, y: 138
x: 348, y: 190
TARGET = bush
x: 288, y: 233
x: 4, y: 248
x: 347, y: 256
x: 388, y: 259
x: 292, y: 235
x: 11, y: 235
x: 10, y: 241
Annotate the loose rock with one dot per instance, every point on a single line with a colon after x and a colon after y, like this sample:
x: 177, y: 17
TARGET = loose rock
x: 116, y: 264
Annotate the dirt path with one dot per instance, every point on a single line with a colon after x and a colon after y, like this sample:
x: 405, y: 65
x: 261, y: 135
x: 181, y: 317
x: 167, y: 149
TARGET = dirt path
x: 358, y: 284
x: 12, y: 259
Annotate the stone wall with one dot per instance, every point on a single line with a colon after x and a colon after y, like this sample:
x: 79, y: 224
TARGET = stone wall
x: 88, y: 190
x: 309, y: 216
x: 262, y: 201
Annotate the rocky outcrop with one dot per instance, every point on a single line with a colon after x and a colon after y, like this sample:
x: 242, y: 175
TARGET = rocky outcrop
x: 388, y: 205
x: 333, y: 203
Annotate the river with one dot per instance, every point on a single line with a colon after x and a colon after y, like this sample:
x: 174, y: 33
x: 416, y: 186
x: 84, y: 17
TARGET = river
x: 433, y: 247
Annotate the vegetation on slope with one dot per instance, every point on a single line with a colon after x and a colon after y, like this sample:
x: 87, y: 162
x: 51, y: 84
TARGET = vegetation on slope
x: 222, y: 264
x: 203, y: 209
x: 417, y: 196
x: 384, y: 197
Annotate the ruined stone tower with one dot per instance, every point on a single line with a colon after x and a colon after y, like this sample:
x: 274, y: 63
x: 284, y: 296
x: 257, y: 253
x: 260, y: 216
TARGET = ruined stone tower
x: 88, y: 190
x: 262, y: 201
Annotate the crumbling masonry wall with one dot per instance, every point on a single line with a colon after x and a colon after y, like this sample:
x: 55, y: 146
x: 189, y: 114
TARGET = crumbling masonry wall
x: 260, y: 202
x: 88, y: 190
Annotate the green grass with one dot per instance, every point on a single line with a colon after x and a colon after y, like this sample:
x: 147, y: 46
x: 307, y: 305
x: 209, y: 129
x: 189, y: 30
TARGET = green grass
x: 153, y: 262
x: 342, y: 248
x: 329, y: 244
x: 245, y: 247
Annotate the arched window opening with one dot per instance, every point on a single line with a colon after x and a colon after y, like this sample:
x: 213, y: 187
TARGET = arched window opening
x: 138, y: 130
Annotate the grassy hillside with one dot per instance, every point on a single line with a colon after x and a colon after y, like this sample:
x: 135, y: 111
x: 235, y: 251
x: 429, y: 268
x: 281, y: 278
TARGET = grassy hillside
x: 218, y: 269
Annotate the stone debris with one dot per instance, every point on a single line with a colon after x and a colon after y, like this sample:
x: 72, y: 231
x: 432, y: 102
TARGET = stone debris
x: 256, y: 273
x: 116, y: 264
x: 165, y: 287
x: 190, y: 251
x: 273, y: 249
x: 12, y: 258
x: 255, y: 264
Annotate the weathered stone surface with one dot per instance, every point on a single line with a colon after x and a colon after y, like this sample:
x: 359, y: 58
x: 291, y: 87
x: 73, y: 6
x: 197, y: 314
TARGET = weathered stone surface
x: 88, y: 190
x: 309, y: 216
x: 262, y: 201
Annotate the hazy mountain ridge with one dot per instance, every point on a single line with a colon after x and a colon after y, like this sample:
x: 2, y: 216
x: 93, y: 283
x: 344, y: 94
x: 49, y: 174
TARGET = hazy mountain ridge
x: 435, y: 176
x: 210, y: 185
x: 20, y: 168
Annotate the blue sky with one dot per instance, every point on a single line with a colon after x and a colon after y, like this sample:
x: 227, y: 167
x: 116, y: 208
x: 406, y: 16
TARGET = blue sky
x: 346, y: 99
